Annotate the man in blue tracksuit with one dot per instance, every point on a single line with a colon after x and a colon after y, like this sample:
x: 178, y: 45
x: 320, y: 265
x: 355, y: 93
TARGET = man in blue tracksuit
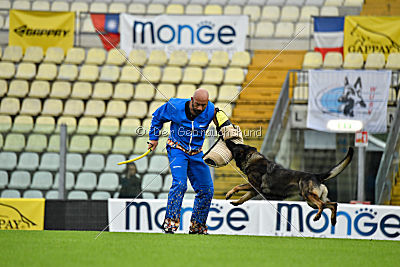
x: 189, y: 122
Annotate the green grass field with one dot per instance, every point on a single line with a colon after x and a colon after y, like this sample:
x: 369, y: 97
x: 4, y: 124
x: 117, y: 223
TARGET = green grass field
x: 74, y: 248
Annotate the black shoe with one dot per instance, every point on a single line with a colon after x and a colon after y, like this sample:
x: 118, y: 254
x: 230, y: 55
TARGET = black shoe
x: 198, y: 229
x: 170, y: 226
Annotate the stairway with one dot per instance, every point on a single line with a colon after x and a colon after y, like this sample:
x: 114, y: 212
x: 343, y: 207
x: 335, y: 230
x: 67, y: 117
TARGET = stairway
x: 255, y: 106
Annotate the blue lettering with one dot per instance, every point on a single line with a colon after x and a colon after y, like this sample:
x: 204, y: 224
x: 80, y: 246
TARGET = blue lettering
x: 172, y: 34
x: 220, y: 220
x: 142, y: 30
x: 372, y: 225
x: 180, y: 28
x: 347, y: 216
x: 384, y: 225
x: 137, y: 206
x: 289, y: 216
x: 207, y: 34
x: 230, y: 218
x: 315, y: 230
x: 230, y: 31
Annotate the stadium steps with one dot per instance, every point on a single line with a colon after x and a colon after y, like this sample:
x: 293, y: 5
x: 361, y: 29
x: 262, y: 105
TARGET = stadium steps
x: 255, y: 106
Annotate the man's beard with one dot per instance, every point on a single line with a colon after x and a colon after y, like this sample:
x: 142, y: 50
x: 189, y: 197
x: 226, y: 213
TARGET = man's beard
x: 196, y: 112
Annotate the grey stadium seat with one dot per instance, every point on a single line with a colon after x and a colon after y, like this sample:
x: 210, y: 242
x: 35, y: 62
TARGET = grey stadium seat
x: 3, y: 179
x: 108, y: 182
x: 94, y: 163
x: 74, y: 162
x: 10, y: 193
x: 32, y: 194
x: 8, y: 160
x: 100, y: 195
x: 20, y: 180
x: 148, y: 195
x: 42, y: 180
x: 86, y: 181
x: 28, y: 161
x: 152, y: 182
x: 78, y: 195
x: 159, y: 164
x: 69, y: 181
x: 111, y: 163
x: 52, y: 194
x: 49, y: 162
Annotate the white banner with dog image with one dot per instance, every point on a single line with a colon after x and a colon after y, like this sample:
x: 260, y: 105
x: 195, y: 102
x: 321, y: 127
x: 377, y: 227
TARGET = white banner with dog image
x: 273, y: 218
x: 348, y: 95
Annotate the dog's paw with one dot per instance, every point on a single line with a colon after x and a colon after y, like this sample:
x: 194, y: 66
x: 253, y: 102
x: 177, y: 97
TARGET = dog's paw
x: 333, y: 221
x: 228, y: 196
x: 235, y: 203
x: 317, y: 217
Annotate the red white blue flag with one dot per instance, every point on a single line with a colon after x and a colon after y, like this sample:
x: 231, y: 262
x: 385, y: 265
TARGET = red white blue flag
x: 107, y: 25
x: 328, y: 34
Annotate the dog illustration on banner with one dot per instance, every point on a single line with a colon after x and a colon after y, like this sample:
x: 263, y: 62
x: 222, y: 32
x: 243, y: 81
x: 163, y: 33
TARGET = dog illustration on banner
x: 351, y: 96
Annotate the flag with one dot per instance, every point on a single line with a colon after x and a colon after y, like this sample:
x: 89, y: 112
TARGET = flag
x: 328, y: 34
x: 107, y: 25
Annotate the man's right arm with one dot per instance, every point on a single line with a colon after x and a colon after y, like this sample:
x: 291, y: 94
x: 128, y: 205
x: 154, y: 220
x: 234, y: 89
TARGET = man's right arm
x: 160, y: 116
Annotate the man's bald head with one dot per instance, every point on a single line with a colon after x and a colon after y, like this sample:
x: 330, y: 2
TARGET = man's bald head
x: 199, y: 101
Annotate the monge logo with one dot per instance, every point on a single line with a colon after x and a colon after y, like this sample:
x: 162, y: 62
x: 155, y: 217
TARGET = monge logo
x: 364, y: 221
x: 203, y: 33
x: 235, y: 219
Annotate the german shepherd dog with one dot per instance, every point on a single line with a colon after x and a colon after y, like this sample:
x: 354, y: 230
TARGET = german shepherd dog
x: 275, y: 182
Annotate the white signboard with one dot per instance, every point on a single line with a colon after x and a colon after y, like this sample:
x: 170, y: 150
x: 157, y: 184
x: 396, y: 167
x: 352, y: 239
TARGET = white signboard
x: 273, y: 218
x: 337, y: 96
x: 189, y: 33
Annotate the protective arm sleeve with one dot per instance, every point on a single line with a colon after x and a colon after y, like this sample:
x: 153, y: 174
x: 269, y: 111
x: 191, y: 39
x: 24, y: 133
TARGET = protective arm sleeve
x: 160, y: 116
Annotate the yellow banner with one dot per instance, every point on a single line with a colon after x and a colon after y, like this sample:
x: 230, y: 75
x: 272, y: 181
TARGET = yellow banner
x: 41, y: 28
x: 21, y: 214
x: 368, y: 34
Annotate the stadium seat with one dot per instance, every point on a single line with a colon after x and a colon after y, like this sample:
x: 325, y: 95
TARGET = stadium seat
x: 353, y: 3
x: 88, y: 73
x: 393, y: 61
x: 54, y: 55
x: 151, y: 74
x: 226, y: 107
x: 28, y: 161
x: 174, y: 9
x: 284, y: 30
x: 232, y: 10
x: 8, y: 160
x: 93, y: 163
x: 137, y: 109
x: 329, y: 11
x: 171, y: 74
x: 117, y: 8
x: 307, y: 12
x: 219, y: 59
x: 116, y: 108
x: 108, y: 182
x: 67, y: 120
x: 252, y: 11
x: 10, y: 193
x: 68, y: 72
x: 289, y: 13
x: 101, y: 144
x: 77, y: 195
x: 49, y: 162
x: 74, y: 162
x: 22, y: 124
x: 178, y: 58
x: 153, y: 106
x: 122, y: 145
x: 158, y: 164
x: 123, y: 91
x: 40, y: 6
x: 140, y: 145
x: 31, y: 106
x: 312, y: 60
x: 129, y: 126
x: 69, y: 181
x: 95, y: 108
x: 151, y: 182
x: 75, y: 55
x: 193, y: 75
x: 59, y: 6
x: 213, y: 75
x: 7, y: 70
x: 18, y: 88
x: 198, y: 59
x: 194, y: 9
x: 3, y: 179
x: 98, y: 8
x: 5, y: 123
x: 109, y: 73
x: 3, y: 88
x: 157, y: 58
x: 85, y: 181
x: 162, y: 196
x: 47, y: 72
x: 79, y: 144
x: 240, y: 59
x: 165, y: 91
x: 54, y: 143
x: 353, y: 61
x: 213, y: 10
x: 12, y: 53
x: 81, y: 90
x: 9, y: 105
x: 144, y: 91
x: 167, y: 183
x: 96, y: 56
x: 303, y: 29
x: 52, y: 194
x: 36, y: 143
x: 137, y: 8
x: 73, y: 107
x: 212, y: 91
x: 42, y: 180
x: 234, y: 76
x: 108, y: 126
x: 155, y: 9
x: 112, y: 161
x: 130, y: 74
x: 33, y: 54
x: 44, y: 125
x: 102, y: 90
x: 137, y: 57
x: 26, y: 71
x: 148, y: 195
x: 116, y: 57
x: 146, y: 125
x: 87, y: 126
x: 19, y: 180
x: 80, y: 7
x: 270, y: 13
x: 100, y: 195
x: 39, y: 89
x: 228, y: 93
x: 185, y: 90
x: 60, y: 89
x: 14, y: 142
x: 375, y: 61
x: 52, y: 107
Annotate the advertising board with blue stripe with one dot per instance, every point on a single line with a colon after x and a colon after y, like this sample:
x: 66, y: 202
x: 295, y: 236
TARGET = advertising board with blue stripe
x: 190, y: 33
x: 348, y: 95
x: 272, y: 218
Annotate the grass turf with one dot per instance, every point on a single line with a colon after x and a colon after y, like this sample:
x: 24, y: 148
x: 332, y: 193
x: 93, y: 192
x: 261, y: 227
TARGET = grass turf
x: 79, y: 248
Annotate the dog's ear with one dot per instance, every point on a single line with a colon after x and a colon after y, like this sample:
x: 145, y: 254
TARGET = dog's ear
x: 230, y: 144
x: 357, y: 84
x: 346, y: 81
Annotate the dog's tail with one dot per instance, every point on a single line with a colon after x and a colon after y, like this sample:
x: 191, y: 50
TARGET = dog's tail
x: 335, y: 171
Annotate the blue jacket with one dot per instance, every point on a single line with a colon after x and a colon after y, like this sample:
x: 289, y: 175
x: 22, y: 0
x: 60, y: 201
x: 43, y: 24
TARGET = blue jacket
x: 189, y: 134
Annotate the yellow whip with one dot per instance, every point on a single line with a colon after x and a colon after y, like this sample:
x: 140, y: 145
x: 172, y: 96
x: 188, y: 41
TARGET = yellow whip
x: 132, y: 160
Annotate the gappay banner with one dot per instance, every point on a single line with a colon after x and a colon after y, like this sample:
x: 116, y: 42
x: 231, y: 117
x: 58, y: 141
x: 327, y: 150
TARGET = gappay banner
x: 189, y: 33
x: 22, y: 214
x: 341, y: 95
x: 368, y: 34
x: 42, y: 28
